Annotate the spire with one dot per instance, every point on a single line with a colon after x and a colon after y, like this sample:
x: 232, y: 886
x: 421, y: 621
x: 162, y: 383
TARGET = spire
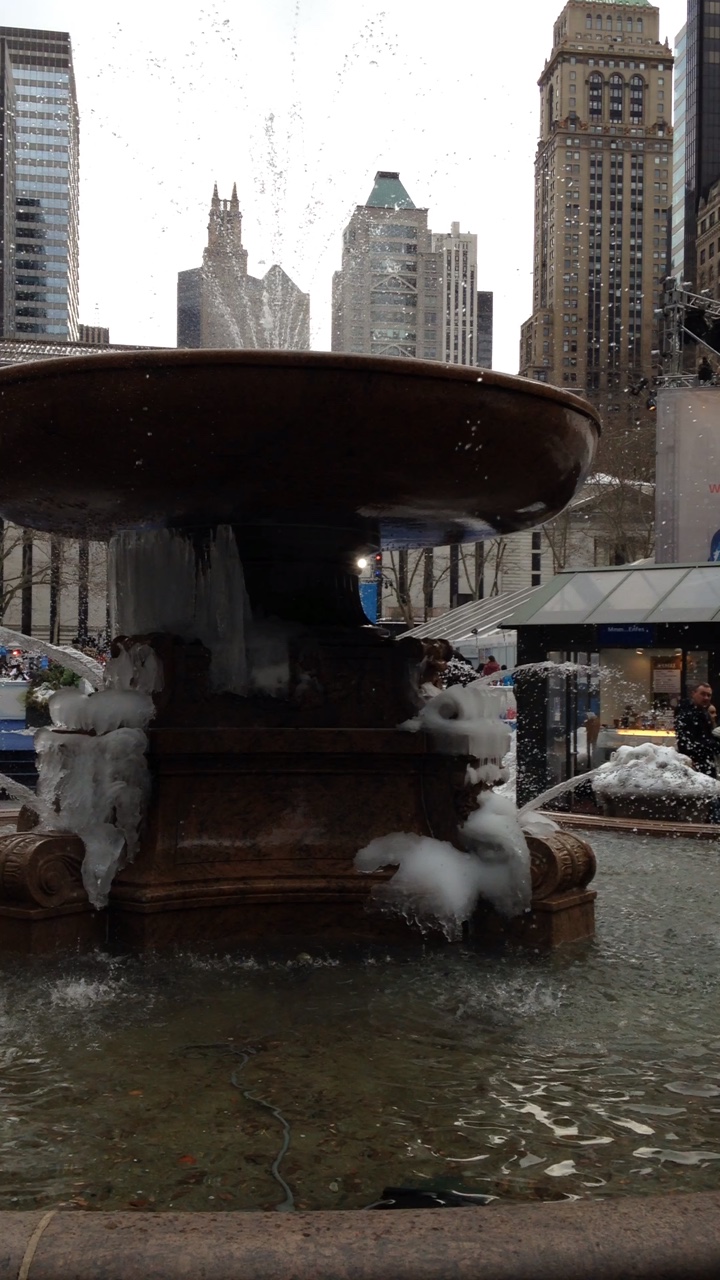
x: 234, y: 197
x: 215, y: 198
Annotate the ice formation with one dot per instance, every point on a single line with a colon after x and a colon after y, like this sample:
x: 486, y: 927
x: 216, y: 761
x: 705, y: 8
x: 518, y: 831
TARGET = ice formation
x: 100, y: 712
x: 161, y: 580
x: 93, y: 777
x: 437, y: 885
x: 467, y: 720
x: 98, y: 788
x: 650, y: 769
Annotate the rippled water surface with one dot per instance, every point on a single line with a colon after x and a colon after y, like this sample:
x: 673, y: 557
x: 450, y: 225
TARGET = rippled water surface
x: 176, y: 1083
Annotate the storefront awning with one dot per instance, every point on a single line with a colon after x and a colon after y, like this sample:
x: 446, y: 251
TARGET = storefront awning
x: 626, y: 594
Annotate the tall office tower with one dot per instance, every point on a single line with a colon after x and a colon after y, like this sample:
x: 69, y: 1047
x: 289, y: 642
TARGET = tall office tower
x: 220, y: 305
x: 39, y: 184
x: 387, y: 297
x: 457, y: 265
x: 697, y: 142
x: 602, y: 192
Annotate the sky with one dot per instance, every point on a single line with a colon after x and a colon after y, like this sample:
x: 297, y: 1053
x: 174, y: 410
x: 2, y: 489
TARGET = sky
x: 300, y: 102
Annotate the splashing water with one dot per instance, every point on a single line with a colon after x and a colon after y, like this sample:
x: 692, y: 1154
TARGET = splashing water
x: 83, y: 666
x: 17, y: 791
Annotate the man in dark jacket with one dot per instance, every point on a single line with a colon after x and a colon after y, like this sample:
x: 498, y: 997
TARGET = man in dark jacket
x: 694, y: 727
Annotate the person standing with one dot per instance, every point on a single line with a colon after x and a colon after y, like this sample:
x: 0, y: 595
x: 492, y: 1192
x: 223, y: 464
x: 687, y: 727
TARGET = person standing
x: 704, y: 373
x: 694, y: 729
x: 491, y: 666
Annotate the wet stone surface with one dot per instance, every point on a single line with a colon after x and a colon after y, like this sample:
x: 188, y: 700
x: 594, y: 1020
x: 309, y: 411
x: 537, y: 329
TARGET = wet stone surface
x: 177, y: 1083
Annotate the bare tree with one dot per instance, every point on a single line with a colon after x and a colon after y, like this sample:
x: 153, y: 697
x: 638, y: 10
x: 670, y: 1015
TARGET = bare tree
x: 618, y: 514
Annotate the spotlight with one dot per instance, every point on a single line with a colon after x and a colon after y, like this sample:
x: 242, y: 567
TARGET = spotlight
x: 361, y: 562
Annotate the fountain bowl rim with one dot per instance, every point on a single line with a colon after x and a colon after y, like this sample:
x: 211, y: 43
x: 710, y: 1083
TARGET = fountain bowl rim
x: 159, y: 358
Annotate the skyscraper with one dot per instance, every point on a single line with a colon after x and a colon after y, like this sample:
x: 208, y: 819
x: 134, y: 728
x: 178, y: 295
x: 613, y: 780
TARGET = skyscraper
x: 460, y: 339
x: 697, y: 110
x: 602, y: 194
x: 39, y: 184
x: 220, y: 305
x: 387, y: 299
x: 404, y: 291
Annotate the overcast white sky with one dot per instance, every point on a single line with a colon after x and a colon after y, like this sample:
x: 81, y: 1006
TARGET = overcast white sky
x: 300, y: 101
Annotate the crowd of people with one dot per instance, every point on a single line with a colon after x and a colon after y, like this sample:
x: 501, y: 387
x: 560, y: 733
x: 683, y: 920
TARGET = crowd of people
x: 444, y: 666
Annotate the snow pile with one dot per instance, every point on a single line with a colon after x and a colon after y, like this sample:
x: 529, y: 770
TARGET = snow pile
x: 438, y: 886
x: 466, y: 720
x: 98, y: 788
x: 649, y: 769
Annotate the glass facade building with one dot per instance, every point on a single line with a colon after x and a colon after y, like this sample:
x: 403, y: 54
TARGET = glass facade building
x: 697, y: 108
x: 41, y: 223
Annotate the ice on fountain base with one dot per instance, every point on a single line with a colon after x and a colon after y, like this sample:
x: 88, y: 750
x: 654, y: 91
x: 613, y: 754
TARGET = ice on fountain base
x: 93, y: 777
x: 439, y: 885
x: 160, y: 580
x: 466, y: 719
x: 267, y: 645
x: 135, y: 666
x: 97, y: 787
x: 651, y: 769
x: 493, y: 834
x: 100, y: 712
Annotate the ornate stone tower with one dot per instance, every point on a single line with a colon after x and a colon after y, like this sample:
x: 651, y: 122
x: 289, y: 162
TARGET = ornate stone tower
x: 220, y: 305
x: 603, y: 190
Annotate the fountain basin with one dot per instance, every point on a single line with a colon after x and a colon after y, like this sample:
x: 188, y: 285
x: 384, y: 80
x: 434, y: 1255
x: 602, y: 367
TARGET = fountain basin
x: 425, y: 453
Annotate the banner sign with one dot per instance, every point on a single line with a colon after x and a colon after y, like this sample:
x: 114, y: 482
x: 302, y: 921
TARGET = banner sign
x: 626, y: 635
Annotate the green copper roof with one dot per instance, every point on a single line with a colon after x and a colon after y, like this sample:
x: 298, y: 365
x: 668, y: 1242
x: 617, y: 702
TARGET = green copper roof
x: 389, y: 192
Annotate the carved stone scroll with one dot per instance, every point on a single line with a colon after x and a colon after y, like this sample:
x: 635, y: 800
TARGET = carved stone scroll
x: 41, y: 869
x: 559, y: 862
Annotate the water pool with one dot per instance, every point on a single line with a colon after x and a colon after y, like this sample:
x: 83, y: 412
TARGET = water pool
x: 177, y: 1082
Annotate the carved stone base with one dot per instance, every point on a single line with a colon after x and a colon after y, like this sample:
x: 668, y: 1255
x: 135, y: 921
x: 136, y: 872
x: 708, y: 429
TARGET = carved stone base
x: 562, y: 909
x: 252, y: 834
x: 250, y: 842
x: 43, y: 931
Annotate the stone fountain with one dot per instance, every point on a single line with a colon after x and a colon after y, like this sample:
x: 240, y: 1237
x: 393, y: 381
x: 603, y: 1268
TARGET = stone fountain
x: 237, y: 490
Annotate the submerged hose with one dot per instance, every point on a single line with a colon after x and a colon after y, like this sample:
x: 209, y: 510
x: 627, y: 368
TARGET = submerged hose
x: 246, y: 1054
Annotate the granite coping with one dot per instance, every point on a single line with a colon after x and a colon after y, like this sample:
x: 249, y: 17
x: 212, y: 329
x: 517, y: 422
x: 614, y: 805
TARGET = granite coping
x: 670, y: 1237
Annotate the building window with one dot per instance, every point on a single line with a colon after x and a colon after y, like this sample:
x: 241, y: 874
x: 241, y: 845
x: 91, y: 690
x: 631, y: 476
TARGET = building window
x: 588, y: 21
x: 595, y: 88
x: 639, y: 27
x: 637, y: 99
x: 616, y: 99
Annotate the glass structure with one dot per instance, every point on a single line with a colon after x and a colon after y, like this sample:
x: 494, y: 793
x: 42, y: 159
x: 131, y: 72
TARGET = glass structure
x: 697, y: 127
x: 39, y: 124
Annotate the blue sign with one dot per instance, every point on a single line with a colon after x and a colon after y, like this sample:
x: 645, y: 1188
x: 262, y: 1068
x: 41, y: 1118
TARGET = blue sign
x: 368, y: 600
x: 625, y: 635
